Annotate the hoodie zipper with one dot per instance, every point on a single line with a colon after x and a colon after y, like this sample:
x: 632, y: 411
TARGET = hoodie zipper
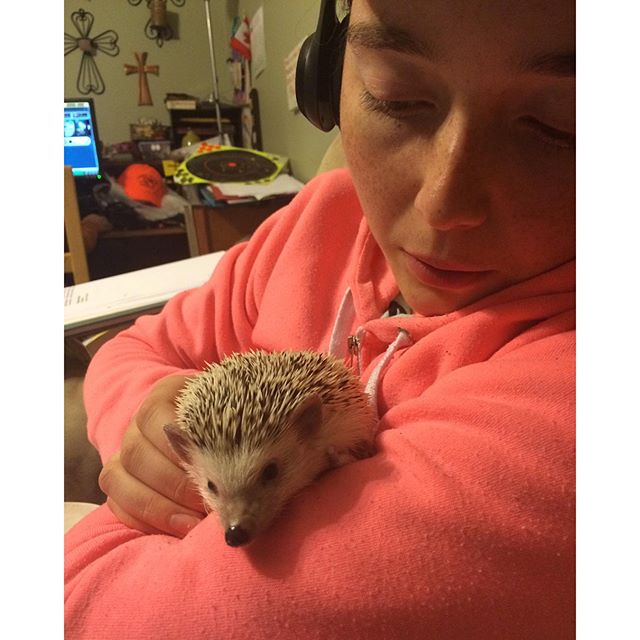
x: 353, y: 346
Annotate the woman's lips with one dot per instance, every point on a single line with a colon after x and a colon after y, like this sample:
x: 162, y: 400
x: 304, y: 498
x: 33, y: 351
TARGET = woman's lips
x: 444, y: 275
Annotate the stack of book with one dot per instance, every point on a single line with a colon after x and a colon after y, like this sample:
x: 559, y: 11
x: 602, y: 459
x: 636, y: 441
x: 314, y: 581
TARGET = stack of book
x: 180, y: 101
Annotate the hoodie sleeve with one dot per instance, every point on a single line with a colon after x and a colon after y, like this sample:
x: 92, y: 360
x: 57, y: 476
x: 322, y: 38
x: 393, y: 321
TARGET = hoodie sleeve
x: 461, y: 527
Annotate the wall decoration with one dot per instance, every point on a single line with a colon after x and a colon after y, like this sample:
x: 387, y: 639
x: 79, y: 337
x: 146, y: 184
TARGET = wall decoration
x: 158, y: 26
x: 144, y: 95
x: 222, y: 163
x: 89, y: 78
x: 239, y: 63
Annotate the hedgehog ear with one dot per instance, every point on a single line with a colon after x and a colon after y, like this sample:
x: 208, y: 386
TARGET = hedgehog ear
x: 307, y: 416
x: 179, y: 441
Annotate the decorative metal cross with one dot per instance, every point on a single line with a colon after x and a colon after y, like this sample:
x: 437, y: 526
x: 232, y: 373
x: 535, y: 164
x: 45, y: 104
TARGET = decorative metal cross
x: 89, y: 78
x: 144, y: 95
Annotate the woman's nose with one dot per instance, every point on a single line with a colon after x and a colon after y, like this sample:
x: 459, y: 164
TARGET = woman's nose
x: 454, y: 193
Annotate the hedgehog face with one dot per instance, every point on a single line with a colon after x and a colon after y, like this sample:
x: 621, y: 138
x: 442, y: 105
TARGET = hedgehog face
x: 248, y: 489
x: 248, y: 484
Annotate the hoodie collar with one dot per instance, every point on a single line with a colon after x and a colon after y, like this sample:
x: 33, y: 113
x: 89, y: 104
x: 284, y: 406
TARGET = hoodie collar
x: 373, y: 284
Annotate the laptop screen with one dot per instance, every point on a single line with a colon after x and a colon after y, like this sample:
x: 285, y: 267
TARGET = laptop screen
x: 81, y: 144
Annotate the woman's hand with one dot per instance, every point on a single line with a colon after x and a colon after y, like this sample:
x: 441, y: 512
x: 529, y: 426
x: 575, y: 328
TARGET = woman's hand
x: 145, y: 486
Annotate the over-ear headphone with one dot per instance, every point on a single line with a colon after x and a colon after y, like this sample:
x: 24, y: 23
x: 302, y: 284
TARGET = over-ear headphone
x: 319, y: 69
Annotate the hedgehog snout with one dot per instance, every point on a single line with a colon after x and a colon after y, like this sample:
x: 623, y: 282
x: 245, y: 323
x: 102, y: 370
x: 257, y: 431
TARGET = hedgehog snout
x: 236, y: 536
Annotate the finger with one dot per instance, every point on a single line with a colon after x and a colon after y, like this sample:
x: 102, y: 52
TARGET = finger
x: 129, y: 520
x: 141, y: 459
x: 133, y: 523
x: 145, y: 508
x: 158, y: 410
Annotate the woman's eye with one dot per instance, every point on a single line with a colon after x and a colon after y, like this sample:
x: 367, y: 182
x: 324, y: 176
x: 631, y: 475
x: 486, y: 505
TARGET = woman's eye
x: 270, y: 472
x: 212, y: 487
x: 551, y: 135
x: 394, y: 108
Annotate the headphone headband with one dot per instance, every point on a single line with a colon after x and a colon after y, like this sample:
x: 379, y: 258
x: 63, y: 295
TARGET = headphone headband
x: 319, y: 70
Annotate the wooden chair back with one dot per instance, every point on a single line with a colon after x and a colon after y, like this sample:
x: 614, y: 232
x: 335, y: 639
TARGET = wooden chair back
x: 75, y: 259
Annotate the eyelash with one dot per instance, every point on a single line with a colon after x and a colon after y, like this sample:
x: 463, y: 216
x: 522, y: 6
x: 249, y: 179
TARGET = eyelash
x: 400, y: 110
x: 391, y: 108
x: 550, y: 135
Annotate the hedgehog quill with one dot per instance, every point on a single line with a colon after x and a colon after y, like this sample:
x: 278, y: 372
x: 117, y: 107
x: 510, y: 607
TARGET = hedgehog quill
x: 256, y: 428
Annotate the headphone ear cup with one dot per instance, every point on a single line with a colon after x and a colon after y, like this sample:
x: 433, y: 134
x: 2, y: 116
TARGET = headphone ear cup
x: 319, y: 70
x: 308, y: 87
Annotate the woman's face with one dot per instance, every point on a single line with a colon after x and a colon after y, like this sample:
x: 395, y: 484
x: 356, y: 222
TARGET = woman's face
x: 458, y: 123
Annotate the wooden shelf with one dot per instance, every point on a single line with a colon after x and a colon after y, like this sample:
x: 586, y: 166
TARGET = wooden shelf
x: 203, y: 122
x: 122, y: 251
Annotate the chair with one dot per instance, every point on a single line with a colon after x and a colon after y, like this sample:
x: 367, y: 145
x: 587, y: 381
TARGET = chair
x: 333, y: 157
x: 75, y: 259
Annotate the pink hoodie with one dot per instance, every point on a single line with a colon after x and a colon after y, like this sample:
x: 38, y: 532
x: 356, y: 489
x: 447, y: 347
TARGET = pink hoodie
x: 462, y: 526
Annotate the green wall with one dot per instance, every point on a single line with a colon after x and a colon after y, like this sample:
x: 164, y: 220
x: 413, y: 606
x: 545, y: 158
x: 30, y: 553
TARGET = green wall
x: 184, y: 67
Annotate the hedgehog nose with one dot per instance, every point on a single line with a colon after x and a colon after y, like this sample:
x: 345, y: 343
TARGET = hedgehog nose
x: 236, y: 536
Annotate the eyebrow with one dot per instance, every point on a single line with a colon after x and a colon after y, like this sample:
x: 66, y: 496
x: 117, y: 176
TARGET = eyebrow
x: 395, y: 39
x: 386, y: 37
x: 551, y: 64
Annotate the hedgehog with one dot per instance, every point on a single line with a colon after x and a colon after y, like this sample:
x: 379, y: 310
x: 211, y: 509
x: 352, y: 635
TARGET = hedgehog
x: 256, y: 428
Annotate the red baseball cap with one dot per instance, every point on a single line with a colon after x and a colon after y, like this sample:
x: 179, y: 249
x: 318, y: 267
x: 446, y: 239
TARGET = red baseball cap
x: 142, y: 182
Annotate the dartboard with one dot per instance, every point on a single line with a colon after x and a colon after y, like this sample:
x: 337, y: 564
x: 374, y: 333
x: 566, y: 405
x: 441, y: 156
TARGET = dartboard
x: 228, y: 164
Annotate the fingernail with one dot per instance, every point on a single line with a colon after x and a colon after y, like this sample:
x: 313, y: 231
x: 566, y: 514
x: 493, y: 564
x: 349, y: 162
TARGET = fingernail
x: 183, y: 523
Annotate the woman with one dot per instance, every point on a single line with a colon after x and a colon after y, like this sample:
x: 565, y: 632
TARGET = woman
x: 458, y: 209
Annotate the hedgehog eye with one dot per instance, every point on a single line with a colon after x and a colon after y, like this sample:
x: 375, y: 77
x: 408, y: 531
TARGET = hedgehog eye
x: 270, y: 472
x: 212, y: 487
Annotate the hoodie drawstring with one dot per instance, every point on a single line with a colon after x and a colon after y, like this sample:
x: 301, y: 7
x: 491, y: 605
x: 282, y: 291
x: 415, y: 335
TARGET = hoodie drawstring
x: 403, y: 339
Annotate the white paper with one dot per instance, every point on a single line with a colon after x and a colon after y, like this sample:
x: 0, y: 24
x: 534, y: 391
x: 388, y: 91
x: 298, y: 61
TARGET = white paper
x: 258, y: 51
x: 284, y: 183
x: 142, y: 289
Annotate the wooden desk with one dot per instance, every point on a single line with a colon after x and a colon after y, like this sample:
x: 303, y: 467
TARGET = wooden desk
x: 218, y: 228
